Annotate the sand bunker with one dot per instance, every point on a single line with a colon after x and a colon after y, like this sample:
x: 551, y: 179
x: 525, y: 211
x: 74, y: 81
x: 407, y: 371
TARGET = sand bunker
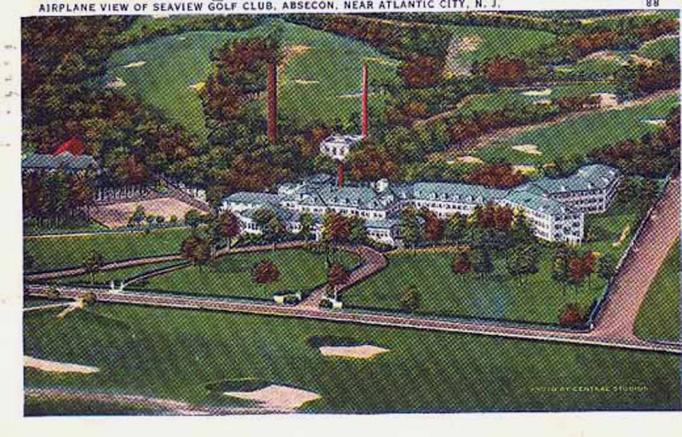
x: 606, y: 100
x: 305, y: 82
x: 277, y: 397
x: 354, y: 95
x: 537, y: 93
x: 531, y: 149
x: 623, y: 236
x: 468, y: 160
x: 116, y: 84
x: 655, y: 121
x: 381, y: 61
x: 136, y: 64
x: 79, y: 304
x: 57, y: 367
x: 470, y: 43
x: 117, y: 214
x: 604, y: 55
x: 641, y: 60
x: 525, y: 169
x: 542, y: 102
x: 198, y: 87
x: 363, y: 352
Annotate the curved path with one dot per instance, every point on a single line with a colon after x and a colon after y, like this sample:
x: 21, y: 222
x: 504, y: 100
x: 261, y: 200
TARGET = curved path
x: 614, y: 327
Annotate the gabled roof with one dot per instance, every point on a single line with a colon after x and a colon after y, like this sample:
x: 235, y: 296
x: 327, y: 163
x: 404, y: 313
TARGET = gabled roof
x: 589, y: 177
x: 539, y: 203
x: 65, y: 161
x: 455, y: 192
x: 73, y: 146
x: 253, y: 197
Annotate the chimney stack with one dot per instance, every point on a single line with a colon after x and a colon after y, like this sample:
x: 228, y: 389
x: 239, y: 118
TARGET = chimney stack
x: 340, y: 174
x: 365, y: 109
x: 272, y: 103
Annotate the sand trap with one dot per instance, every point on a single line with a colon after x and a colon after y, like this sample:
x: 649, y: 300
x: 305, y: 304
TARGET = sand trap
x: 530, y: 149
x: 57, y: 367
x: 525, y: 169
x: 116, y: 84
x: 606, y: 100
x: 641, y: 60
x: 542, y: 102
x: 182, y: 38
x: 363, y: 352
x: 537, y: 93
x: 277, y: 396
x: 354, y: 95
x: 468, y: 160
x: 623, y: 236
x: 305, y: 82
x: 136, y: 64
x: 564, y: 69
x: 117, y: 214
x: 655, y: 121
x: 603, y: 55
x: 198, y: 87
x: 381, y: 61
x: 79, y: 304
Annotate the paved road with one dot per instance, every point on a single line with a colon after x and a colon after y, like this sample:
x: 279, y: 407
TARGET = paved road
x: 617, y: 317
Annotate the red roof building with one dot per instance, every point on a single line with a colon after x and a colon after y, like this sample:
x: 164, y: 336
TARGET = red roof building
x: 74, y: 146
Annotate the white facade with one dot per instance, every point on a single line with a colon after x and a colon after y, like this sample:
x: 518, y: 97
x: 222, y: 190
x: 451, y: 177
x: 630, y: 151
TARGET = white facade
x: 337, y: 147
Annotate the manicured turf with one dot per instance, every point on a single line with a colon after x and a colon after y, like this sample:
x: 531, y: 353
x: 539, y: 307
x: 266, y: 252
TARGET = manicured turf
x: 536, y: 299
x: 71, y: 251
x: 174, y: 354
x: 516, y: 98
x: 231, y: 275
x: 332, y: 64
x: 660, y: 48
x: 36, y: 406
x: 583, y: 134
x: 118, y: 275
x: 659, y: 316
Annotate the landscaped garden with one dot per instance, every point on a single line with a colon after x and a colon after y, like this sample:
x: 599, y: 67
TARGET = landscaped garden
x: 659, y: 315
x: 233, y: 274
x: 175, y: 354
x: 51, y: 253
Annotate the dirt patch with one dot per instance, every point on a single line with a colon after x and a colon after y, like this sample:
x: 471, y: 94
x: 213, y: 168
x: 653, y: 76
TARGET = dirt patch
x: 530, y: 149
x: 291, y: 51
x: 117, y: 83
x: 79, y: 304
x: 641, y: 60
x: 136, y: 64
x: 606, y: 100
x: 603, y: 55
x: 118, y: 214
x: 361, y: 352
x: 57, y: 367
x: 277, y: 396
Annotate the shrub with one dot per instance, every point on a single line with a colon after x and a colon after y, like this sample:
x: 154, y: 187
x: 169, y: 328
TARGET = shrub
x: 325, y: 303
x: 265, y: 272
x: 89, y: 298
x: 173, y: 219
x: 571, y: 317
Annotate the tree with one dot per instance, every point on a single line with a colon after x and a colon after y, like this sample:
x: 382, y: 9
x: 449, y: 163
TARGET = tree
x: 93, y: 264
x: 523, y: 261
x: 192, y: 218
x: 571, y: 316
x: 606, y: 266
x: 460, y: 262
x: 337, y: 276
x: 410, y: 227
x: 307, y: 223
x: 29, y: 261
x: 410, y: 300
x: 335, y: 228
x: 433, y: 227
x: 270, y: 225
x: 227, y: 226
x: 481, y: 261
x: 454, y: 228
x: 138, y: 215
x: 196, y: 250
x: 358, y: 230
x: 89, y: 298
x: 265, y: 272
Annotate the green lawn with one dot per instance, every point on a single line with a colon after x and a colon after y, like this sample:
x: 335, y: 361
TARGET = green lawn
x: 230, y: 275
x: 174, y: 354
x: 659, y: 316
x: 105, y: 277
x: 326, y: 76
x: 515, y: 98
x: 583, y: 134
x: 68, y: 251
x: 660, y: 48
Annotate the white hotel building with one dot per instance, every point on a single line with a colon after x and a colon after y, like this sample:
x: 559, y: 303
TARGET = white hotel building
x: 554, y: 208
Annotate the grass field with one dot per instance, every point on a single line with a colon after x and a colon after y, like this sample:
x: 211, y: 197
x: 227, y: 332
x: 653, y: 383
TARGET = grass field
x: 583, y: 134
x: 173, y: 354
x: 659, y: 316
x: 515, y: 98
x: 660, y: 48
x: 71, y: 251
x: 326, y: 75
x: 537, y: 299
x: 118, y: 275
x: 230, y: 275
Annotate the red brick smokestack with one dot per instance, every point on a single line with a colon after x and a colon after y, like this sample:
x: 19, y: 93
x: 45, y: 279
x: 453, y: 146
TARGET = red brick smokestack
x: 365, y: 109
x: 272, y: 103
x: 340, y: 174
